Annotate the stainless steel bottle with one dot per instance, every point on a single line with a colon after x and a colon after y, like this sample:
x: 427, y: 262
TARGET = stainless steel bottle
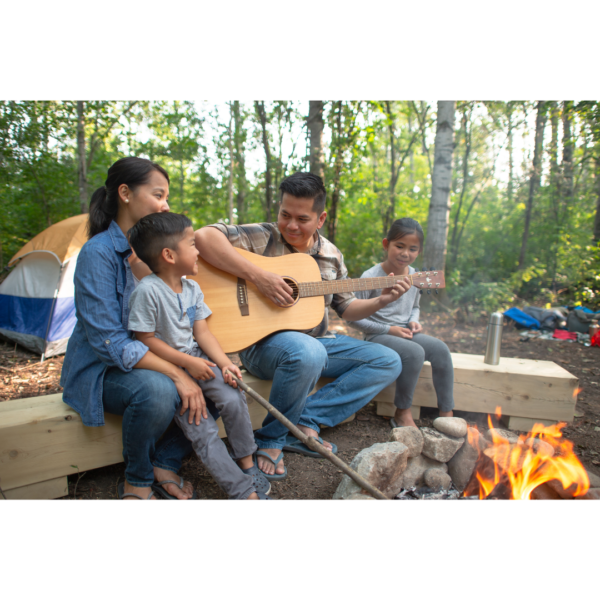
x: 494, y: 339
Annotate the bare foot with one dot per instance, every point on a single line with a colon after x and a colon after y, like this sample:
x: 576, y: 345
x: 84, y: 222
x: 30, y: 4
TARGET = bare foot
x: 312, y: 433
x: 143, y: 492
x: 171, y: 488
x: 266, y: 466
x: 253, y: 496
x: 446, y: 414
x: 403, y: 418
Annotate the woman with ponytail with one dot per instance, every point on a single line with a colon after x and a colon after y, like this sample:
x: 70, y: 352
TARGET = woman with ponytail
x: 105, y: 369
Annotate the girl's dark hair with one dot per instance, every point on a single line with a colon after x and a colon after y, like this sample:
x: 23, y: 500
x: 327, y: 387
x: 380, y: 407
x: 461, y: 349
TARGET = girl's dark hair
x: 104, y: 206
x: 403, y: 227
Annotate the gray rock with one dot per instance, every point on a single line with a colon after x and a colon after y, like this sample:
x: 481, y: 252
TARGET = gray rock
x: 415, y: 470
x: 592, y: 494
x: 594, y: 480
x: 382, y: 465
x: 437, y: 480
x: 510, y: 436
x: 462, y: 464
x: 453, y: 426
x: 439, y: 446
x: 540, y: 447
x: 411, y: 437
x: 360, y: 496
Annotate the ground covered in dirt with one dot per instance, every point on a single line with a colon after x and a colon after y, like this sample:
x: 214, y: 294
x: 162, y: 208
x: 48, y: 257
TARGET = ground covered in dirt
x: 22, y: 376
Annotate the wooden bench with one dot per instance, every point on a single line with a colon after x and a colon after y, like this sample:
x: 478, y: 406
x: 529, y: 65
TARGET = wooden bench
x: 42, y: 440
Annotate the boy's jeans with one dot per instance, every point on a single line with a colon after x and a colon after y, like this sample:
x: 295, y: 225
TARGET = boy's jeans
x: 295, y: 361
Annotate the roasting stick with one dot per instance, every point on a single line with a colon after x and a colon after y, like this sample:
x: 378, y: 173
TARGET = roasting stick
x: 311, y: 442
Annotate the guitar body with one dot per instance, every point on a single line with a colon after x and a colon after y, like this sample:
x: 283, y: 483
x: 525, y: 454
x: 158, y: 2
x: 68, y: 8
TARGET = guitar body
x: 236, y: 332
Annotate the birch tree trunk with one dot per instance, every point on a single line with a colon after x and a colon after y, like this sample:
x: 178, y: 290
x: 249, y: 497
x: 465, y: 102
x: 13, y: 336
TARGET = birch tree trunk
x: 597, y: 219
x: 240, y: 162
x: 439, y: 206
x: 262, y: 115
x: 534, y: 182
x: 315, y: 132
x: 511, y: 167
x: 567, y: 157
x: 81, y: 158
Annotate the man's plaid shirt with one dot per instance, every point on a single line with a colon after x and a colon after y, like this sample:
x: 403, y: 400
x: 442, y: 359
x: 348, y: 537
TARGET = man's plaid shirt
x: 266, y: 239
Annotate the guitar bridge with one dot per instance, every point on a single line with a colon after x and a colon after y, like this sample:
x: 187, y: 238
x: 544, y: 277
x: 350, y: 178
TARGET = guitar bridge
x: 242, y: 297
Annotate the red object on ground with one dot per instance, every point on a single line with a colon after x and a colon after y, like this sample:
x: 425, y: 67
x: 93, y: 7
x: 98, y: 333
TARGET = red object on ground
x: 595, y: 341
x: 563, y: 334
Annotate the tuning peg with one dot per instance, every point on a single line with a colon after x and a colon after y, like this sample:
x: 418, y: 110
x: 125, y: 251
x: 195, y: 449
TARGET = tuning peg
x: 437, y: 292
x: 429, y: 291
x: 421, y: 292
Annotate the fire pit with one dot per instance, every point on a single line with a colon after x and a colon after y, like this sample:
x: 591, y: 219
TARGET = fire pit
x: 455, y: 461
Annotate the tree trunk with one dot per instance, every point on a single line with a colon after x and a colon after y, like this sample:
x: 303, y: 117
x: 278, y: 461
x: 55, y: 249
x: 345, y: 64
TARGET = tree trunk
x: 260, y: 111
x: 81, y: 159
x: 315, y: 131
x: 597, y: 219
x: 534, y: 182
x: 240, y: 163
x: 567, y: 157
x: 231, y: 167
x: 332, y: 216
x: 511, y: 166
x: 439, y: 206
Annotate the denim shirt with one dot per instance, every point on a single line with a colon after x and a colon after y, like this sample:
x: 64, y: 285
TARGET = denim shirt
x: 103, y: 284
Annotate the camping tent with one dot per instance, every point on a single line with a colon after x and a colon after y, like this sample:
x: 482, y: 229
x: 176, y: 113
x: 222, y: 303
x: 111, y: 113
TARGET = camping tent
x: 37, y: 307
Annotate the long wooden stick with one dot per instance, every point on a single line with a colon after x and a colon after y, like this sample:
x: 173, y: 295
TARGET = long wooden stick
x: 311, y: 442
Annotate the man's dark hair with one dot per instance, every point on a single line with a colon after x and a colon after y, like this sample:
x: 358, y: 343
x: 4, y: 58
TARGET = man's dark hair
x: 305, y: 185
x: 154, y: 232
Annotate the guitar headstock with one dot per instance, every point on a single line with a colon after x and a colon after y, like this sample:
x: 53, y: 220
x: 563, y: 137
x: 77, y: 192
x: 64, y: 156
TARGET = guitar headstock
x: 428, y: 280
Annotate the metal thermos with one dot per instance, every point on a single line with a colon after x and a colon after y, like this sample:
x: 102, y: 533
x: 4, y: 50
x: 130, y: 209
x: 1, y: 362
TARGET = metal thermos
x: 494, y: 339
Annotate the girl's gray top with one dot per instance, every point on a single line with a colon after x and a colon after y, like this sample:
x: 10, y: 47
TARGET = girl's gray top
x: 399, y: 313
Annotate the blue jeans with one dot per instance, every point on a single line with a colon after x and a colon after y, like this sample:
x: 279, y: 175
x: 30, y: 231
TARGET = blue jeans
x: 147, y: 400
x: 295, y: 361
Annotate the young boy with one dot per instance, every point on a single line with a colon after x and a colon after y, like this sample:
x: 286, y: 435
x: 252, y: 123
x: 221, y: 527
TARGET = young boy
x: 168, y: 314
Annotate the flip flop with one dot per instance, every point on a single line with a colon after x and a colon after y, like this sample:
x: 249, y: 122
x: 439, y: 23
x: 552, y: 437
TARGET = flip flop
x: 293, y: 444
x: 276, y: 461
x: 157, y: 486
x: 261, y: 483
x: 122, y: 494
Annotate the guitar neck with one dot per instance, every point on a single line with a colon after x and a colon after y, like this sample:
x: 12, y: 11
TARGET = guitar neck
x: 324, y: 288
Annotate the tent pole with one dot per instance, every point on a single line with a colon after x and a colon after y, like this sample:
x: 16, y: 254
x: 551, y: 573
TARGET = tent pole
x: 52, y: 312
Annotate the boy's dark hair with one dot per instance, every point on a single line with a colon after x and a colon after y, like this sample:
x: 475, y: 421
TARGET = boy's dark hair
x: 403, y: 227
x: 305, y: 185
x: 154, y: 232
x: 104, y: 205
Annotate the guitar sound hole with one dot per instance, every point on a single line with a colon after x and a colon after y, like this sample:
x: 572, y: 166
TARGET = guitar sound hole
x: 294, y: 285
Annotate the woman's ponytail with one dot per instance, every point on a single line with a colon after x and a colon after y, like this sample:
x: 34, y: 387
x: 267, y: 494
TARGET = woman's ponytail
x: 102, y: 212
x: 104, y: 205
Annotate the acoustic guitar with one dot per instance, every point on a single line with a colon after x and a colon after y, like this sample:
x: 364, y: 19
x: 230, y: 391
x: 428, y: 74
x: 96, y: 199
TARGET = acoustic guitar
x: 242, y: 316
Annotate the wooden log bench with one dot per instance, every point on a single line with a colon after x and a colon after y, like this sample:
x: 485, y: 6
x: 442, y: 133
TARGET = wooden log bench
x: 42, y: 440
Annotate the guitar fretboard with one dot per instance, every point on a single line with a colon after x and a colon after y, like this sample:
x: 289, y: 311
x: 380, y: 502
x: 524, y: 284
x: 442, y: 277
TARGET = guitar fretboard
x: 323, y: 288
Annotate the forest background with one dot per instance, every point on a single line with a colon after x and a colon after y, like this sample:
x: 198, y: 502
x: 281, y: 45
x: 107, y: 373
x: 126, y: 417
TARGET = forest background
x: 516, y: 221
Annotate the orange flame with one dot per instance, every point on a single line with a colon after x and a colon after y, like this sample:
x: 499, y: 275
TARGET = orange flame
x: 577, y: 391
x: 537, y: 457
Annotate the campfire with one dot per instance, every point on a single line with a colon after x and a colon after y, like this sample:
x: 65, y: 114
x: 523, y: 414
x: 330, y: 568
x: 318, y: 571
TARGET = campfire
x: 516, y: 468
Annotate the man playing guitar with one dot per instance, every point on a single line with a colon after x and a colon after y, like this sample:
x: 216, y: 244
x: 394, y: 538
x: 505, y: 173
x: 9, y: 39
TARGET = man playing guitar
x: 296, y: 360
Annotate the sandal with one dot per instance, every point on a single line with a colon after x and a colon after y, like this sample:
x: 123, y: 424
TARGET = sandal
x: 259, y: 480
x: 122, y: 494
x: 157, y: 486
x: 275, y: 461
x: 293, y: 444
